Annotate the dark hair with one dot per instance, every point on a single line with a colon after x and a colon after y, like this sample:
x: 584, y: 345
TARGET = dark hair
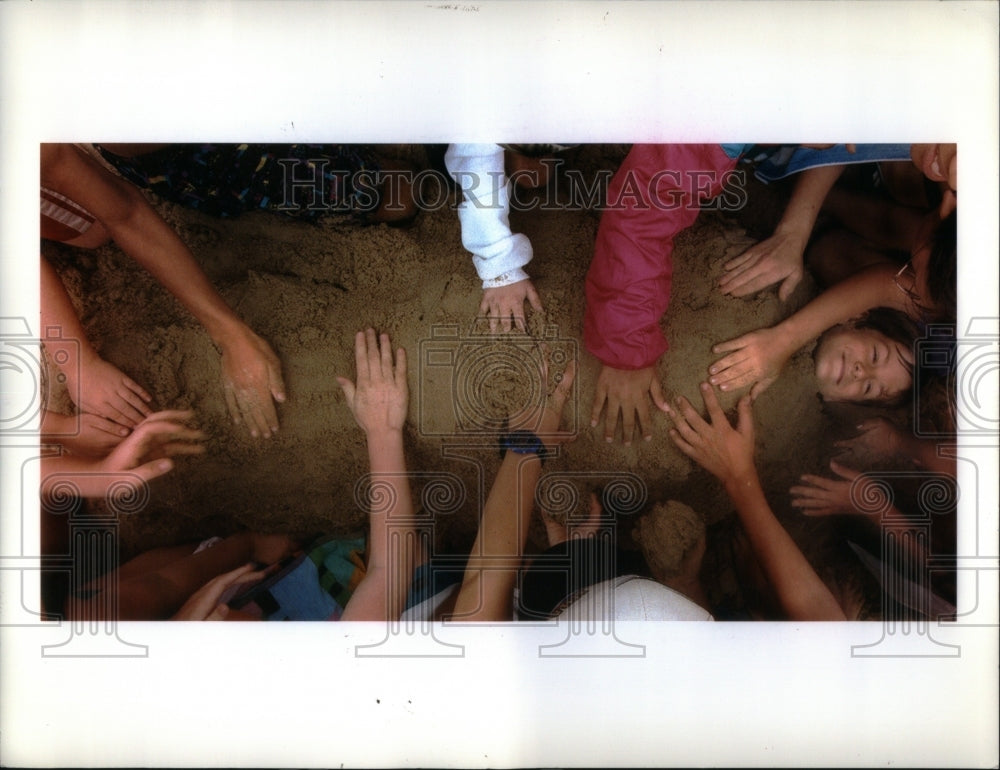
x: 895, y: 325
x: 942, y: 268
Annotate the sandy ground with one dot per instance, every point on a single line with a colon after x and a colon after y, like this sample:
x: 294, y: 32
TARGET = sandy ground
x: 307, y: 288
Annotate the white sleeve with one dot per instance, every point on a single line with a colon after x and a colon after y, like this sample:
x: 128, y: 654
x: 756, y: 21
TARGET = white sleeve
x: 498, y: 254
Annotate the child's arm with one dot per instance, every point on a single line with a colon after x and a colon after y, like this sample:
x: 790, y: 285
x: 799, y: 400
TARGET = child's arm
x: 141, y: 457
x: 655, y: 195
x: 727, y: 454
x: 379, y: 402
x: 487, y: 588
x: 251, y: 372
x: 95, y: 385
x: 499, y: 255
x: 779, y: 258
x: 757, y: 358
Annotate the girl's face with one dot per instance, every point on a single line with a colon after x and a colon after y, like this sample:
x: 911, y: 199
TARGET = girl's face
x: 862, y: 365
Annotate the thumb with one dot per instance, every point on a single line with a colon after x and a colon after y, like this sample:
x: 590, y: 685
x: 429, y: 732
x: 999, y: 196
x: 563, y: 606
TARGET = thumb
x: 348, y: 387
x: 276, y: 384
x: 788, y: 286
x: 843, y: 471
x: 744, y: 409
x: 138, y: 476
x: 534, y: 299
x: 758, y: 387
x: 656, y: 392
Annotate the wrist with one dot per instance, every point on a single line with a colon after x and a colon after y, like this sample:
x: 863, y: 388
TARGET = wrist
x: 225, y: 332
x: 797, y: 226
x: 384, y: 436
x: 789, y: 336
x: 523, y: 442
x: 742, y: 484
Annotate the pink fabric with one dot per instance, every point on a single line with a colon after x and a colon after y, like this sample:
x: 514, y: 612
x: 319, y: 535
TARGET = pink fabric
x: 655, y: 194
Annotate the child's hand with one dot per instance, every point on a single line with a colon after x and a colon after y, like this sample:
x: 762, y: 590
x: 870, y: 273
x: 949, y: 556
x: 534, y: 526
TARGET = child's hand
x: 146, y: 451
x: 251, y: 378
x: 86, y: 434
x: 626, y: 390
x: 754, y: 359
x: 139, y: 458
x: 544, y: 419
x: 724, y: 451
x: 826, y: 497
x: 379, y: 399
x: 779, y: 258
x: 204, y: 603
x: 506, y: 302
x: 104, y: 390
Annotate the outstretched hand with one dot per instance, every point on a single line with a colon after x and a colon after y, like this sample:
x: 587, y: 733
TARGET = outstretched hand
x: 724, y: 451
x: 251, y: 378
x: 146, y: 452
x: 819, y: 496
x: 142, y: 456
x: 380, y: 397
x: 505, y: 303
x: 101, y: 388
x: 625, y: 391
x: 779, y: 258
x: 756, y: 359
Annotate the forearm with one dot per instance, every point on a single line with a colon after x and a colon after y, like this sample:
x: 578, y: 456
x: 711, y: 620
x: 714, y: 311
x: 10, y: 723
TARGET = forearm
x: 388, y: 469
x: 141, y: 233
x: 490, y: 576
x: 392, y: 536
x: 498, y: 254
x: 811, y: 190
x: 800, y: 591
x: 73, y: 476
x: 58, y: 318
x: 872, y: 287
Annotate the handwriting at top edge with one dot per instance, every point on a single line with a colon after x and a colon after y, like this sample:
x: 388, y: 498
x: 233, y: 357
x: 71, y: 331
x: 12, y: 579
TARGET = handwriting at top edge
x: 454, y: 7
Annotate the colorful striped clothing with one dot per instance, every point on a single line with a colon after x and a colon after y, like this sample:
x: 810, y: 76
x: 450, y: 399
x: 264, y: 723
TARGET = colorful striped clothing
x: 314, y: 585
x: 62, y: 219
x: 305, y: 181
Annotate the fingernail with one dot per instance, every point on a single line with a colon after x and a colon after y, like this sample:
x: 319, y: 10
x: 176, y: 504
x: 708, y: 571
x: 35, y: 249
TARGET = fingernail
x: 164, y: 465
x: 713, y: 370
x: 677, y: 399
x: 704, y: 386
x: 722, y: 387
x: 647, y: 438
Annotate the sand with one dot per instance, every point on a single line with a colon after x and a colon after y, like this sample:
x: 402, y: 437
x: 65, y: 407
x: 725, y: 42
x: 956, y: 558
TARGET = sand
x: 307, y: 288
